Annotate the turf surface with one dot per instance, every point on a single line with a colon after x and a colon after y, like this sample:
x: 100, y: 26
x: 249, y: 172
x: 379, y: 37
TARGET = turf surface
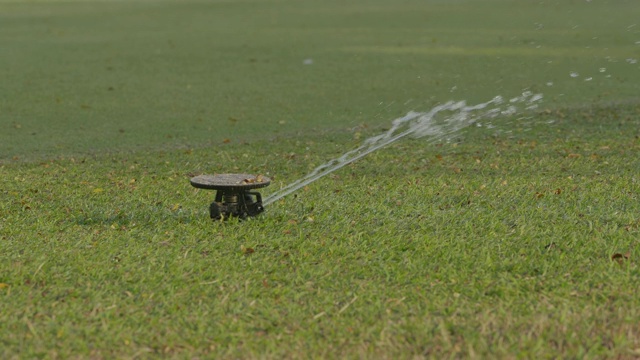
x: 84, y: 76
x: 519, y: 240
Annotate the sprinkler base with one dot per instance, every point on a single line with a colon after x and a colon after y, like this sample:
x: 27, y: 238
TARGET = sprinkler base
x: 233, y: 198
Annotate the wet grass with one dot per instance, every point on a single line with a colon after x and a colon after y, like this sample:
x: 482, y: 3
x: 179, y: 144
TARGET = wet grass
x: 515, y: 241
x: 519, y: 240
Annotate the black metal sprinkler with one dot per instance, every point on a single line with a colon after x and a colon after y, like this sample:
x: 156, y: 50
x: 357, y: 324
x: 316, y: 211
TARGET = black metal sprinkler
x: 232, y: 197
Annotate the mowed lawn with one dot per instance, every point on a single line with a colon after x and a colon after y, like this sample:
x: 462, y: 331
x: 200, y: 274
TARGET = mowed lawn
x: 514, y: 239
x: 93, y: 76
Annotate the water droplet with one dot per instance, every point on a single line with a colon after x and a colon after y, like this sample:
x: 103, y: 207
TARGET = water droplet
x: 637, y: 42
x: 574, y: 74
x: 603, y: 70
x: 510, y: 110
x: 632, y: 61
x: 307, y: 62
x: 535, y: 98
x: 588, y: 79
x: 550, y: 83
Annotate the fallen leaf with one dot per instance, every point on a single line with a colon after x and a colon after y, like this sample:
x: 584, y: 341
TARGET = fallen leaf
x: 3, y: 285
x: 226, y: 141
x: 257, y: 179
x: 620, y: 258
x: 573, y: 156
x: 246, y: 250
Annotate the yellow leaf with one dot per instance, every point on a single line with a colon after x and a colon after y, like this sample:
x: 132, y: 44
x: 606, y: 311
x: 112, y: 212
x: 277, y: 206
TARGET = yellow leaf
x: 246, y: 250
x: 3, y: 285
x: 98, y: 190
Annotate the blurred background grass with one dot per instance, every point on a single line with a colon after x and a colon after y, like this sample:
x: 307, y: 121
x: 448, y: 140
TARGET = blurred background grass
x: 91, y: 76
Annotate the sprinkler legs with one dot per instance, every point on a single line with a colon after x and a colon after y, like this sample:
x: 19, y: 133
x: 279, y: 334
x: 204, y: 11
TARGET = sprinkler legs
x: 240, y: 205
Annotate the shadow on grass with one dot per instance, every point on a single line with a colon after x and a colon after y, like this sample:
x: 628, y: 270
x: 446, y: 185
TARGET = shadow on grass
x: 152, y: 217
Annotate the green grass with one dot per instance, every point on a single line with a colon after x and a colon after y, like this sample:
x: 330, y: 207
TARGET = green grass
x: 84, y: 76
x: 493, y: 245
x: 519, y: 241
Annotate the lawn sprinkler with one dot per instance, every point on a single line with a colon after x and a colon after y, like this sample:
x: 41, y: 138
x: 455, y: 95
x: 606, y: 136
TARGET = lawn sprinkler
x: 233, y: 198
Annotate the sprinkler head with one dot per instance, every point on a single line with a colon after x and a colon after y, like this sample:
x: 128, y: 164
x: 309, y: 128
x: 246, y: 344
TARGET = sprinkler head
x: 233, y: 198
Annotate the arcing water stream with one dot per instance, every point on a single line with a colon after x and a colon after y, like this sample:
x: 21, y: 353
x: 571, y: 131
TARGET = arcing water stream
x: 441, y: 121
